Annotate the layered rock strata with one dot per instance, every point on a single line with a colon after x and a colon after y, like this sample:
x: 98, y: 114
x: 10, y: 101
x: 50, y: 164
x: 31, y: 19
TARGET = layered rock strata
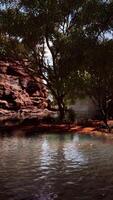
x: 19, y: 91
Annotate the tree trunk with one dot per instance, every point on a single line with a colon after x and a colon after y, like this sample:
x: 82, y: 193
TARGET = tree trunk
x: 61, y: 108
x: 107, y: 125
x: 105, y: 119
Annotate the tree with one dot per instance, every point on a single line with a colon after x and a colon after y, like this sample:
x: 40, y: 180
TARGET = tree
x: 76, y: 40
x: 96, y: 69
x: 100, y: 70
x: 42, y: 25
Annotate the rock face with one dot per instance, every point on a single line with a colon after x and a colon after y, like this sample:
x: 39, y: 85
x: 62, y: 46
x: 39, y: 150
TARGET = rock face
x: 19, y: 90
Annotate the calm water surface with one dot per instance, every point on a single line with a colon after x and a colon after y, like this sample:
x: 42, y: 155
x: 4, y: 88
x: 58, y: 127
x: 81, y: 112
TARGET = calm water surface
x: 55, y: 166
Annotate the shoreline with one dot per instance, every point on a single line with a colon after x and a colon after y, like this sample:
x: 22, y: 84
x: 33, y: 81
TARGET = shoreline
x: 54, y: 128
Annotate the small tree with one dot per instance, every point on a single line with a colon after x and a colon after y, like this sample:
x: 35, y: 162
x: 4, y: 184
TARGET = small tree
x: 100, y: 69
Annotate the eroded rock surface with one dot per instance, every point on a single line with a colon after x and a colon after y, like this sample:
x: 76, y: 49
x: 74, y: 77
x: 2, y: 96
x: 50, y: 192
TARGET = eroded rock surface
x: 19, y: 91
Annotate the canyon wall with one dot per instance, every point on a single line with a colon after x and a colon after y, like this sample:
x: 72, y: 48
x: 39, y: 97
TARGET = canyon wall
x: 20, y: 91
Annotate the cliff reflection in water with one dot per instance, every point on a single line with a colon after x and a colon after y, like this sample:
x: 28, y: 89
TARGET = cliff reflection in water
x: 55, y: 166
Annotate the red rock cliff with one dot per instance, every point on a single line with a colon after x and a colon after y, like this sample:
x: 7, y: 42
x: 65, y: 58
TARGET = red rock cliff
x: 19, y: 90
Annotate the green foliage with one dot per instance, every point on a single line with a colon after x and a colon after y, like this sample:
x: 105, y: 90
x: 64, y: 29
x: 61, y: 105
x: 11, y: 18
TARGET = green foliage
x: 76, y: 33
x: 12, y: 48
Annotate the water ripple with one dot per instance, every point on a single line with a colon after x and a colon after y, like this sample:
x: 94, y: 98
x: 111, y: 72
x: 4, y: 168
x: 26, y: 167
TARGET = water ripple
x: 49, y: 167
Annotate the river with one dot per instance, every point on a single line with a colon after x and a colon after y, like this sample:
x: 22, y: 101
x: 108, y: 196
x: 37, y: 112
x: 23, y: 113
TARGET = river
x: 55, y: 166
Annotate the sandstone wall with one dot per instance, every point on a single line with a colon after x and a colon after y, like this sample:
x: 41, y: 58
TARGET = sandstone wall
x: 19, y: 90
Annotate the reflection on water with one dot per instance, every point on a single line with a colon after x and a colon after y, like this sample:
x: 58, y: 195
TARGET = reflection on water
x: 55, y: 166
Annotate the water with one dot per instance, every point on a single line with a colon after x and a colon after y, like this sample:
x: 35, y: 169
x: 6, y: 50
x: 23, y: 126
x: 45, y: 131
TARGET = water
x: 55, y: 166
